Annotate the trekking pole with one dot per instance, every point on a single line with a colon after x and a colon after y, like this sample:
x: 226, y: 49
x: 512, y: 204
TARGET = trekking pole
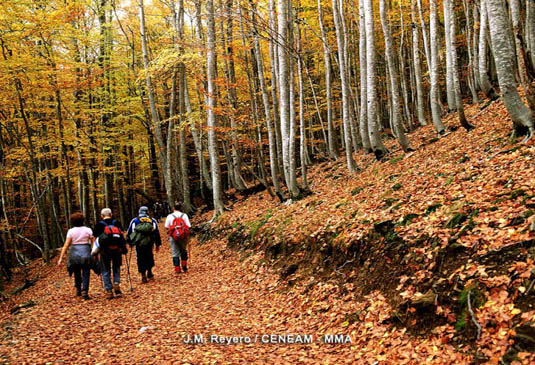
x: 128, y: 269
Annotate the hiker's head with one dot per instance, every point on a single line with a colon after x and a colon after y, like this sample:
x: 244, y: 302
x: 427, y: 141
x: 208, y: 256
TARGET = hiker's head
x: 178, y: 206
x: 77, y: 219
x: 106, y: 213
x: 143, y: 211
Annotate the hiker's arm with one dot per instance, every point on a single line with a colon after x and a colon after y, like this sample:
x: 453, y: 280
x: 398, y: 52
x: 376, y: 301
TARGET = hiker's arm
x: 66, y: 246
x: 156, y: 235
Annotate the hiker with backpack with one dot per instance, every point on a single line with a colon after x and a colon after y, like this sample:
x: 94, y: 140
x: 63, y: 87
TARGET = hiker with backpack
x: 143, y: 233
x: 178, y: 225
x: 79, y: 240
x: 112, y: 245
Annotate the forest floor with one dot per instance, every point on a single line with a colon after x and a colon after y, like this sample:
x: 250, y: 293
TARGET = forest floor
x: 425, y: 257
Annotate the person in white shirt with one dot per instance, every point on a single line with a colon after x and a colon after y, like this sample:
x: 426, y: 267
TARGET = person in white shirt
x: 179, y: 248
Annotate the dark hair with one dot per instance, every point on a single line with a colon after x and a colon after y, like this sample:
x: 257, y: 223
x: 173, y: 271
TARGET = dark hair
x: 178, y: 206
x: 77, y: 219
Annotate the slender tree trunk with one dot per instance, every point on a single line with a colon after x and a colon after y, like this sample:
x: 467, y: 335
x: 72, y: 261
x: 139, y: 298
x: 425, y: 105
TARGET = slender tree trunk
x: 530, y: 29
x: 284, y: 96
x: 371, y: 72
x: 302, y: 133
x: 420, y: 110
x: 435, y: 106
x: 273, y: 57
x: 517, y: 35
x: 394, y: 84
x: 484, y: 82
x: 274, y: 163
x: 363, y: 118
x: 211, y: 110
x: 424, y: 35
x: 451, y: 30
x: 503, y: 51
x: 331, y: 132
x: 162, y: 145
x: 450, y: 89
x: 346, y: 108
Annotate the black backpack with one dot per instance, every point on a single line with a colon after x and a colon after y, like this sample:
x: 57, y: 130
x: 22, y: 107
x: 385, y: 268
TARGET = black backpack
x: 112, y: 238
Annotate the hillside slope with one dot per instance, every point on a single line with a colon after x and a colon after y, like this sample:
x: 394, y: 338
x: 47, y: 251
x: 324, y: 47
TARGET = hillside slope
x: 436, y: 234
x: 424, y: 257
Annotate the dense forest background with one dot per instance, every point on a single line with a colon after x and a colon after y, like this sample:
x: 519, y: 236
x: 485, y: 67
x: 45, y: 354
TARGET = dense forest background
x: 120, y: 103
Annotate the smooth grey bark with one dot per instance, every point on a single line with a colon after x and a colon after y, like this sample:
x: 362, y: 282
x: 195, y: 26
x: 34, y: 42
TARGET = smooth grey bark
x: 484, y: 82
x: 371, y: 72
x: 331, y: 133
x: 452, y: 31
x: 503, y: 50
x: 450, y: 91
x: 273, y: 57
x: 394, y: 84
x: 517, y: 34
x: 420, y: 110
x: 273, y: 161
x: 211, y: 107
x: 363, y: 118
x: 303, y: 152
x: 530, y: 29
x: 346, y: 108
x: 435, y: 107
x: 285, y: 99
x: 292, y: 158
x: 424, y: 35
x: 471, y: 55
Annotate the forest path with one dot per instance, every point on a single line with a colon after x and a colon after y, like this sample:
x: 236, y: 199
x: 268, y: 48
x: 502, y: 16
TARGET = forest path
x: 216, y: 297
x: 221, y: 295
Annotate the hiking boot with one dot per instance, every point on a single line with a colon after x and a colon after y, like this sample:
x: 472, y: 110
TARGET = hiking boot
x: 117, y: 290
x: 84, y: 295
x: 184, y: 266
x: 144, y: 278
x: 109, y: 294
x: 78, y: 292
x: 150, y: 275
x: 177, y: 270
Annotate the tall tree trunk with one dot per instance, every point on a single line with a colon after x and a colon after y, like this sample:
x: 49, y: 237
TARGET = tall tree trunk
x: 517, y: 35
x: 484, y: 82
x: 451, y: 30
x: 331, y: 132
x: 435, y: 107
x: 211, y: 110
x: 450, y: 88
x: 522, y: 116
x: 394, y: 84
x: 420, y: 110
x: 371, y: 72
x: 273, y: 57
x: 363, y: 118
x: 273, y: 161
x: 346, y: 107
x: 284, y: 96
x: 162, y: 145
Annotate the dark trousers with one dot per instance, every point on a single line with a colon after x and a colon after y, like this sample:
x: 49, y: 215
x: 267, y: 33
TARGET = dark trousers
x: 81, y: 277
x: 145, y: 258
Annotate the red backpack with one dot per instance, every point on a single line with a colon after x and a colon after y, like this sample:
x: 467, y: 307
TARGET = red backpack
x: 178, y: 229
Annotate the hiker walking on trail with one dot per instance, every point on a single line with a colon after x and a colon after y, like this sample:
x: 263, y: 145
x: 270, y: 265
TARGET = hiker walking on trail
x: 178, y: 225
x: 143, y: 233
x: 79, y: 240
x: 112, y: 246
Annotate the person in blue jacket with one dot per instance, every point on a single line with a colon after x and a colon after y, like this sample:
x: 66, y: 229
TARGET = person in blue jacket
x: 143, y: 233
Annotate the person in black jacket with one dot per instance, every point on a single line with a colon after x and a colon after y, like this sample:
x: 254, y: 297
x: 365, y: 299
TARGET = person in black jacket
x: 143, y: 233
x: 110, y: 253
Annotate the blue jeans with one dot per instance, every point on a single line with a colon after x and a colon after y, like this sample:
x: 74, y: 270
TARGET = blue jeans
x: 111, y: 263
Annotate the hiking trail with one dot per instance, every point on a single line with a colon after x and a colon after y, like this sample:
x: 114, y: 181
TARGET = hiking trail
x: 218, y: 296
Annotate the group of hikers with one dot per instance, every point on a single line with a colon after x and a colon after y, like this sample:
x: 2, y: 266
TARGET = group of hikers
x: 101, y: 249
